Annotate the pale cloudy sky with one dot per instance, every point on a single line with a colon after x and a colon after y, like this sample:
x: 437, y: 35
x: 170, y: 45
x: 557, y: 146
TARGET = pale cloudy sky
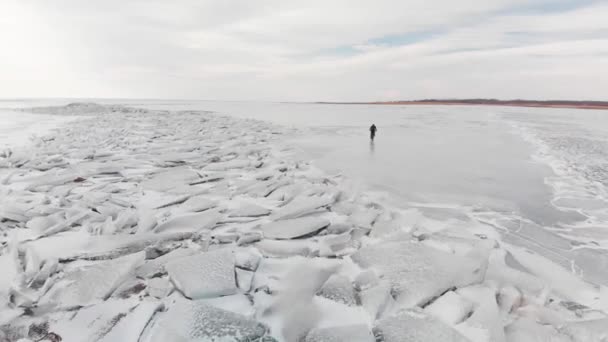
x: 342, y: 50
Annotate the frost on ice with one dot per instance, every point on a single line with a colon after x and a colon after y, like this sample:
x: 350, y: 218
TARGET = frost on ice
x: 209, y: 274
x: 198, y: 321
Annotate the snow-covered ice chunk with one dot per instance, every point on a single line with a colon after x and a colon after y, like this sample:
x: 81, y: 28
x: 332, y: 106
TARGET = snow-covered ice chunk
x: 130, y: 328
x: 364, y: 218
x: 86, y: 285
x: 156, y: 266
x: 171, y: 178
x: 301, y: 206
x: 290, y: 229
x: 159, y: 287
x: 204, y: 275
x: 190, y: 222
x: 42, y: 223
x: 248, y: 210
x: 284, y: 249
x: 450, y: 308
x: 339, y: 289
x: 584, y: 331
x: 228, y: 165
x: 95, y: 322
x: 244, y: 279
x: 350, y: 333
x: 199, y: 321
x: 526, y: 329
x: 415, y: 326
x: 195, y: 204
x: 377, y: 299
x: 418, y: 273
x: 247, y: 258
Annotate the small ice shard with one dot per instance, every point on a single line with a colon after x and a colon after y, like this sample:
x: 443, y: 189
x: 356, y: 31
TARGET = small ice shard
x: 145, y: 220
x: 171, y: 178
x: 130, y: 328
x: 450, y: 308
x: 509, y: 298
x: 198, y: 321
x: 364, y: 218
x: 131, y: 287
x: 249, y: 238
x: 204, y: 275
x: 418, y: 273
x: 157, y: 200
x: 339, y: 228
x: 244, y: 279
x: 339, y: 289
x: 376, y: 299
x: 248, y: 210
x: 86, y: 285
x: 247, y: 258
x: 228, y: 165
x: 190, y: 222
x: 294, y: 228
x: 284, y: 249
x: 486, y: 314
x: 196, y: 204
x: 159, y: 287
x: 332, y: 245
x: 415, y: 326
x: 42, y: 223
x: 301, y: 206
x: 350, y: 333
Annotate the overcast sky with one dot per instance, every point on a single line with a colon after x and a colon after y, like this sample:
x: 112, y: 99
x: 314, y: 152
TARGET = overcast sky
x: 343, y: 50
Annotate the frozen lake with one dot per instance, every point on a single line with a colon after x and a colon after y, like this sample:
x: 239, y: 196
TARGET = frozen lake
x: 480, y: 157
x: 537, y: 175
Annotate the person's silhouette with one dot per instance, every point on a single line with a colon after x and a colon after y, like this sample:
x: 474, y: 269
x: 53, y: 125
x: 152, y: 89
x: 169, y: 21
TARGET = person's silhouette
x: 372, y: 132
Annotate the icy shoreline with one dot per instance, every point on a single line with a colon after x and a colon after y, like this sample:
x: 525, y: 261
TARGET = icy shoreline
x: 135, y: 225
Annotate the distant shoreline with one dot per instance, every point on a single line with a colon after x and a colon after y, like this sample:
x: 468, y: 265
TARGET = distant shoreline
x: 602, y: 105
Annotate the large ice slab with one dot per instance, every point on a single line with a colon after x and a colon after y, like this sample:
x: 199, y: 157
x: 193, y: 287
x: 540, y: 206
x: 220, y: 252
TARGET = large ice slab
x: 291, y: 229
x: 339, y: 289
x: 302, y: 206
x: 198, y: 321
x: 89, y: 284
x: 418, y: 273
x: 190, y: 222
x: 415, y: 326
x: 204, y: 275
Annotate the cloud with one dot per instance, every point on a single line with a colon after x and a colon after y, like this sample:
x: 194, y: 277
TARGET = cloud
x: 350, y: 50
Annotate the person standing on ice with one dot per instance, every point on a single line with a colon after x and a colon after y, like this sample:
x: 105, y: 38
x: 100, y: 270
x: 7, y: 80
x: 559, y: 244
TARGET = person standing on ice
x: 372, y: 132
